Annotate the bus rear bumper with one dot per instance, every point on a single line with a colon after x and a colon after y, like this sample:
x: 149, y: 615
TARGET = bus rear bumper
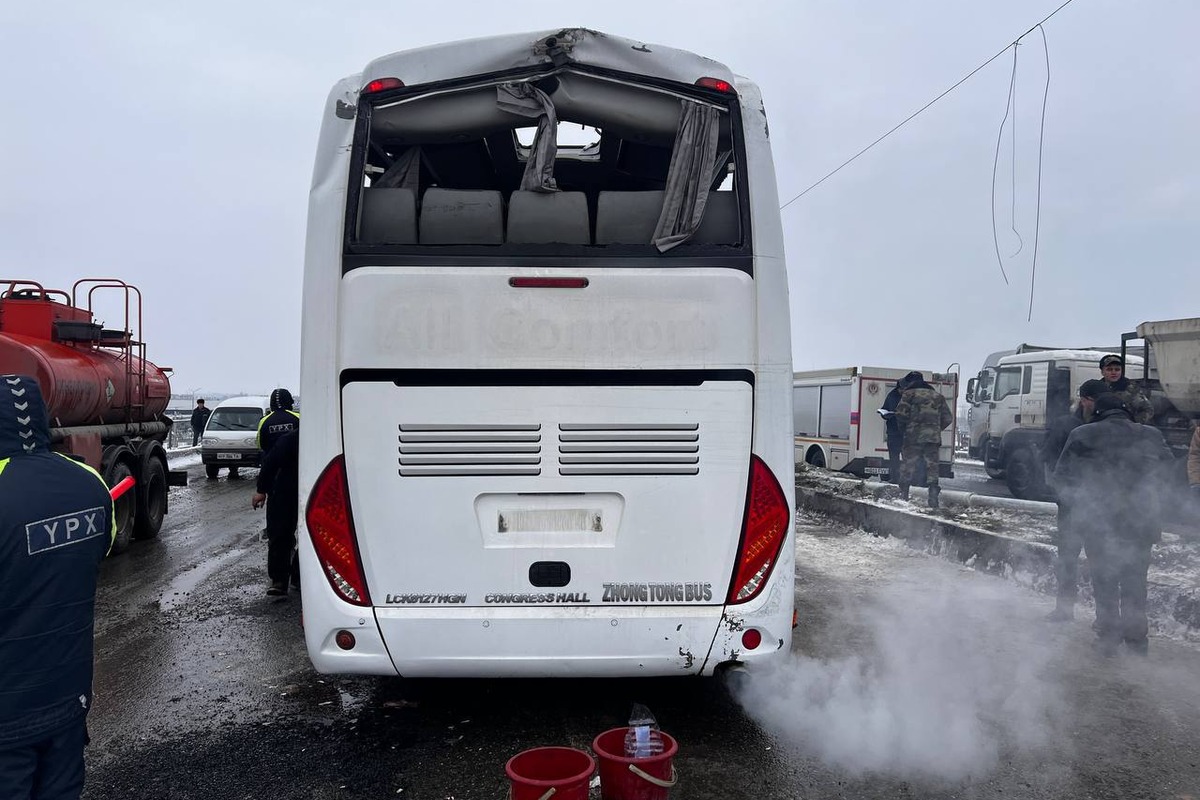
x: 531, y: 642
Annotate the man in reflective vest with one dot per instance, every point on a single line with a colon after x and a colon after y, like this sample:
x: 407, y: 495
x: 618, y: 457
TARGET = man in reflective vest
x: 281, y: 420
x: 56, y: 525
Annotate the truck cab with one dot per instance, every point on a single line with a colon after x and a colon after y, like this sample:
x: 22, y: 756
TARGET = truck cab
x: 1019, y: 396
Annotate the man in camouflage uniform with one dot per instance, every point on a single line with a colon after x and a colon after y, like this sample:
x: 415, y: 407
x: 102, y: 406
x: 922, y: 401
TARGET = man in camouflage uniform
x: 1113, y: 369
x: 1111, y: 474
x: 923, y: 415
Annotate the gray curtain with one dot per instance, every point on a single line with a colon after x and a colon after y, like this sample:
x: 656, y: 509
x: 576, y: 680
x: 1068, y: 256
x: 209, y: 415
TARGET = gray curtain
x: 688, y: 178
x: 527, y: 100
x: 404, y: 173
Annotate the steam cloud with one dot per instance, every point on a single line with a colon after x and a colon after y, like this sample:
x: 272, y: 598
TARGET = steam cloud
x: 939, y: 698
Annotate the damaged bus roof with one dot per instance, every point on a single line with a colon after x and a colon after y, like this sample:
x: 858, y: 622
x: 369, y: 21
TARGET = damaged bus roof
x: 546, y: 49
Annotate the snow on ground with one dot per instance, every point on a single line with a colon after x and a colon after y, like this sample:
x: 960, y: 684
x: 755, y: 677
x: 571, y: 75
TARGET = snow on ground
x: 183, y: 457
x: 1174, y: 593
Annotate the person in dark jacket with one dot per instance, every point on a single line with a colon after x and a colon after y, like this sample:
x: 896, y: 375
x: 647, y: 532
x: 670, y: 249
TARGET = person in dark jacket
x: 56, y: 525
x: 1068, y: 538
x: 895, y: 436
x: 200, y: 415
x: 1111, y: 474
x: 281, y: 420
x: 279, y: 488
x: 1113, y: 369
x: 923, y: 415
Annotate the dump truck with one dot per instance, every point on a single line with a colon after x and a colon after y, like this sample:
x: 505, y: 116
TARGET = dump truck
x: 105, y: 401
x: 1014, y: 399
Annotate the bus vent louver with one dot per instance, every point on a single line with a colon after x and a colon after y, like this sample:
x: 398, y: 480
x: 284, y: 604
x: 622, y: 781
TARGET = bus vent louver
x: 616, y: 449
x: 464, y: 450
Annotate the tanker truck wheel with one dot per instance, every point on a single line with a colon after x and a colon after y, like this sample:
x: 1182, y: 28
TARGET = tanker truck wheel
x: 125, y: 508
x: 152, y: 499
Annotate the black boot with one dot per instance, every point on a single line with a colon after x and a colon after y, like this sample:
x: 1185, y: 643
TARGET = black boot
x: 934, y: 491
x: 904, y: 491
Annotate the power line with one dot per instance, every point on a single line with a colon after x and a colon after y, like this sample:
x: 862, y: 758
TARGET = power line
x: 911, y: 116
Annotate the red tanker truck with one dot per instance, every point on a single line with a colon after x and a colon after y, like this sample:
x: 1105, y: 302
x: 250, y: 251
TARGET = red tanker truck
x: 105, y: 401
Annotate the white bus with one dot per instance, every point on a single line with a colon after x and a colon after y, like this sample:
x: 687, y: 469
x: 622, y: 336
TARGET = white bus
x: 547, y: 384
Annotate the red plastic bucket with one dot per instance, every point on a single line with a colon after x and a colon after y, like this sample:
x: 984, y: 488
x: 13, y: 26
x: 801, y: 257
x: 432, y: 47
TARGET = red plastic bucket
x: 624, y: 778
x: 561, y: 773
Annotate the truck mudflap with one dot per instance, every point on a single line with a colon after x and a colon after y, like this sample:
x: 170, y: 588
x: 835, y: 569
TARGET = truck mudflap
x: 177, y: 477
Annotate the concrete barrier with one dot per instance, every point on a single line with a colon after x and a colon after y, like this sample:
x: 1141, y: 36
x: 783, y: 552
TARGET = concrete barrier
x: 953, y: 497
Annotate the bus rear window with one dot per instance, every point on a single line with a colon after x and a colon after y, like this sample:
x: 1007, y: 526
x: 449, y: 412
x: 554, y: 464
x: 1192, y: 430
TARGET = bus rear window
x: 569, y: 162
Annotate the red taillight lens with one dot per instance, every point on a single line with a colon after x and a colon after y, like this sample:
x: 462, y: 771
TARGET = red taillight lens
x: 762, y: 533
x: 332, y: 531
x: 382, y: 85
x: 716, y: 83
x: 751, y: 639
x: 548, y: 283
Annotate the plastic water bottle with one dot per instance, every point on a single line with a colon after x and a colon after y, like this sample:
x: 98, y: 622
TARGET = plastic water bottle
x: 643, y: 739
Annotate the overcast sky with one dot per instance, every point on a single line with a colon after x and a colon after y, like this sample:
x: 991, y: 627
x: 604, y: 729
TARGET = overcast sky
x: 172, y: 145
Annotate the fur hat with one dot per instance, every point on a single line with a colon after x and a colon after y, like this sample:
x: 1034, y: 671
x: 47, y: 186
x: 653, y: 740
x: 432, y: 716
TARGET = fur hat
x: 1112, y: 358
x: 1093, y: 388
x: 1110, y: 401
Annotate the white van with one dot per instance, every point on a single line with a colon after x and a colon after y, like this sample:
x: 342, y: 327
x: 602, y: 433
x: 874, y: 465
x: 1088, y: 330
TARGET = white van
x: 231, y: 435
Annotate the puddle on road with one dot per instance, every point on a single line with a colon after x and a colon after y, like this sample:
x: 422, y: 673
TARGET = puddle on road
x: 351, y: 705
x: 177, y: 593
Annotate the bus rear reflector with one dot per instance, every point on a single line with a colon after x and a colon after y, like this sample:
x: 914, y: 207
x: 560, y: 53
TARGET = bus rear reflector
x: 331, y: 529
x: 716, y: 83
x: 382, y: 85
x: 763, y: 533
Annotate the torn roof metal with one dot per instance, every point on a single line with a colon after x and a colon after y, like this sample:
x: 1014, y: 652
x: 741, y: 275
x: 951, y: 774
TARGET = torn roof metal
x: 550, y: 49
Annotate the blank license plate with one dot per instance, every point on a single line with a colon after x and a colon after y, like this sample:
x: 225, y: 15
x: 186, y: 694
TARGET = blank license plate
x: 229, y: 456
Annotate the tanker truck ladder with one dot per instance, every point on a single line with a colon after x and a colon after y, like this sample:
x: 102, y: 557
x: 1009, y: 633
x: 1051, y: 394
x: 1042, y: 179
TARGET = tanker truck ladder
x: 127, y: 340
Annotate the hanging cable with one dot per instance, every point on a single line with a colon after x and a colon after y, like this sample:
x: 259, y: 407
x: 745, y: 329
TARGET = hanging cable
x: 1013, y: 206
x: 913, y: 115
x: 1037, y: 217
x: 996, y: 162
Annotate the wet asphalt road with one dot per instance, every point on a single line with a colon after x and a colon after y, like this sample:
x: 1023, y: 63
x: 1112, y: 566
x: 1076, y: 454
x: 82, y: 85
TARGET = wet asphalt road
x: 203, y: 690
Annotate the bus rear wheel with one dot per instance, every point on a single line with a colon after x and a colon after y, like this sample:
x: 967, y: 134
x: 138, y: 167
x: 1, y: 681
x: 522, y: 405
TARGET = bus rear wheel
x: 815, y: 457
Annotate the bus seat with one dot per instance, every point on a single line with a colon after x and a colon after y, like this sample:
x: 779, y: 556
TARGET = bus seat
x: 627, y: 217
x: 721, y: 221
x: 389, y: 216
x: 459, y: 216
x: 541, y: 217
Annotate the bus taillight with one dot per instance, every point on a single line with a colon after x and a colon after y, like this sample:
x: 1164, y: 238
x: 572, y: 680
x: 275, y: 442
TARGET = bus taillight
x: 717, y: 84
x: 382, y: 85
x: 763, y: 533
x: 332, y: 531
